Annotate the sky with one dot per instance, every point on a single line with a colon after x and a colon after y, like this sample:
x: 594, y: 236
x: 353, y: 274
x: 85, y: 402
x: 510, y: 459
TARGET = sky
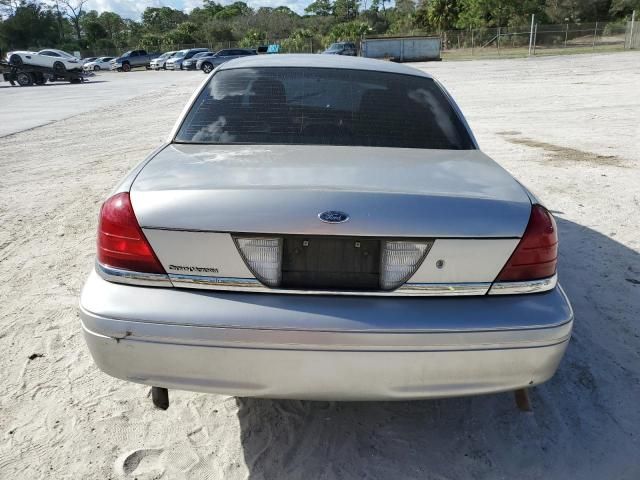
x: 133, y: 9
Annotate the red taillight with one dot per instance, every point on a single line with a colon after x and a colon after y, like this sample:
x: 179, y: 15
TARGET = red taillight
x: 536, y: 255
x: 121, y: 243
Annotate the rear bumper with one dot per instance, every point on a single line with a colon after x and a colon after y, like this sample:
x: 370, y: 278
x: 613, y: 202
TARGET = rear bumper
x: 335, y: 348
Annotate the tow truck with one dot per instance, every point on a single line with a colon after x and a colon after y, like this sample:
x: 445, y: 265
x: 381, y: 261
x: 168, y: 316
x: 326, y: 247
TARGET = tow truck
x: 27, y: 75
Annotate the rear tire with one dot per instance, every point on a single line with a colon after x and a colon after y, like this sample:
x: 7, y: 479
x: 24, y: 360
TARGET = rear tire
x: 24, y: 79
x: 126, y: 67
x: 15, y: 60
x: 59, y: 68
x: 207, y: 67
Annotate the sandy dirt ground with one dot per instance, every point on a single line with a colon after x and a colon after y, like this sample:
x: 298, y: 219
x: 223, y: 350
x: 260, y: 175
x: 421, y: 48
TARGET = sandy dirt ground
x: 568, y: 127
x: 22, y: 108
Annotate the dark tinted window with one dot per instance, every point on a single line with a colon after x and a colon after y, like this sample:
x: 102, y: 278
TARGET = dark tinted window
x: 323, y: 106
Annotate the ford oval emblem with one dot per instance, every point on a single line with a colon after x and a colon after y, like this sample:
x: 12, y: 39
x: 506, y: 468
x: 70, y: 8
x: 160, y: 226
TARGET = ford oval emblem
x: 331, y: 216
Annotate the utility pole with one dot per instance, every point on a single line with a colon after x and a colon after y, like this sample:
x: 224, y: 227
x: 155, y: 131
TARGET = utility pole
x: 533, y: 16
x: 633, y: 22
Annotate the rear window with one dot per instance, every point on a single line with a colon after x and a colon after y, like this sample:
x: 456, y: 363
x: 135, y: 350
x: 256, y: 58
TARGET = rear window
x: 320, y: 106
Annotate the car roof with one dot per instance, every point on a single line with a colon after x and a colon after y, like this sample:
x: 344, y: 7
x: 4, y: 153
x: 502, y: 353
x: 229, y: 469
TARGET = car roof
x: 58, y: 51
x: 322, y: 61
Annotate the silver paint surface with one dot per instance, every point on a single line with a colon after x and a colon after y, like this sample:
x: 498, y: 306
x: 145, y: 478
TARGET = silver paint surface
x: 280, y: 189
x: 245, y: 344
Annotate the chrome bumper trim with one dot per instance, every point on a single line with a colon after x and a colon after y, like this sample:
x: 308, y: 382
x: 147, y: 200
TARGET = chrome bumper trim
x: 443, y: 289
x: 253, y: 285
x: 133, y: 278
x: 530, y: 286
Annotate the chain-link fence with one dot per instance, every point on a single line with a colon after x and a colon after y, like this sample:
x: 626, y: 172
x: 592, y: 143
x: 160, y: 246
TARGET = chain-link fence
x: 536, y: 39
x: 632, y: 36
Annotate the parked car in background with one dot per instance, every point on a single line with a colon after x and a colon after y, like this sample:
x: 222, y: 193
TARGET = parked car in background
x: 100, y: 63
x: 133, y: 59
x: 60, y: 61
x: 87, y: 60
x: 208, y: 62
x: 342, y: 48
x: 175, y: 62
x: 317, y: 227
x: 159, y: 63
x: 190, y: 64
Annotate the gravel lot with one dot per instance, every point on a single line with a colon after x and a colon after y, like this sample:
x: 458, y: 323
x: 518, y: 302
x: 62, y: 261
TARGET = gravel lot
x: 22, y: 108
x: 568, y: 127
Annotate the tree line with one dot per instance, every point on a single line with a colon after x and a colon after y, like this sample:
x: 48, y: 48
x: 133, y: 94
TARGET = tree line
x: 68, y: 25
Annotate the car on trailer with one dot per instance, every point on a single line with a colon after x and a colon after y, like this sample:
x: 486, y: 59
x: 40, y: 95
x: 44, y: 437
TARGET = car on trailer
x: 27, y: 75
x: 327, y: 228
x: 58, y: 60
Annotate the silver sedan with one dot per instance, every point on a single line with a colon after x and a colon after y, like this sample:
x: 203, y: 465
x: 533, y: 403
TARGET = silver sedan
x: 100, y: 63
x: 324, y: 227
x: 207, y: 63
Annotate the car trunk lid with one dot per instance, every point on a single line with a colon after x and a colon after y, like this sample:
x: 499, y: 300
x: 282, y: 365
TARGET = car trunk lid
x: 386, y: 192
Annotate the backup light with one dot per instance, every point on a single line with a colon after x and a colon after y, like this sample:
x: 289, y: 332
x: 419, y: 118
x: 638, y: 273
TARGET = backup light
x: 400, y: 260
x: 263, y: 256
